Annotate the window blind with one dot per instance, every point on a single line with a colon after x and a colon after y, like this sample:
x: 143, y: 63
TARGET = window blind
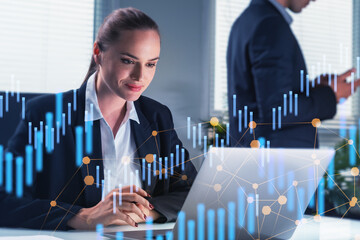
x: 45, y: 44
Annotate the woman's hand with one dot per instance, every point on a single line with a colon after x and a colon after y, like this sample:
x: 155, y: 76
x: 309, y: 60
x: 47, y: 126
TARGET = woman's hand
x: 133, y: 205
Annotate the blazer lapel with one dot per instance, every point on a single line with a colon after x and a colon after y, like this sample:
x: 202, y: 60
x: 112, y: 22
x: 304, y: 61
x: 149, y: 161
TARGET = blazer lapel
x: 92, y: 194
x: 145, y: 144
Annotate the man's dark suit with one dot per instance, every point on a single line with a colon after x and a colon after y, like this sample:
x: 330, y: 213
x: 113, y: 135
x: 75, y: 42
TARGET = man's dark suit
x: 59, y: 167
x: 264, y: 61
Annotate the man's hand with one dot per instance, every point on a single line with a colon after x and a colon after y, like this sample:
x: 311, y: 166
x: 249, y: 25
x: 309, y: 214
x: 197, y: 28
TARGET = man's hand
x: 343, y: 88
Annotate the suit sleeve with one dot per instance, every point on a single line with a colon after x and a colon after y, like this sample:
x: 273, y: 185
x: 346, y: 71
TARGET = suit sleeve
x: 29, y: 211
x: 272, y: 52
x: 169, y: 204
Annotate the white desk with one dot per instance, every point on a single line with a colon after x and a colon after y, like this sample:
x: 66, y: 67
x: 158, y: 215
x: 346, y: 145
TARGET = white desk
x: 327, y: 228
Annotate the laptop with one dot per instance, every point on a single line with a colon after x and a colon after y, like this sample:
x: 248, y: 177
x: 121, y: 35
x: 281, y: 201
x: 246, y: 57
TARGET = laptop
x: 247, y: 193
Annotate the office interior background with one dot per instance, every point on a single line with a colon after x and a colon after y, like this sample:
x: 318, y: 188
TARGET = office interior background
x: 46, y: 47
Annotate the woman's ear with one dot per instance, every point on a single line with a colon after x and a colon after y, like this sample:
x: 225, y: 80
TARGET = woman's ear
x: 96, y: 54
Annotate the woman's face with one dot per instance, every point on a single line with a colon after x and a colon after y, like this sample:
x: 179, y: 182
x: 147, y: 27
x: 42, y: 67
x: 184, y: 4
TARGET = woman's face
x: 128, y: 66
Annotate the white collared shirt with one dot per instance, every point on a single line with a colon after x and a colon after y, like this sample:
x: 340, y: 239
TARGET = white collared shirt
x: 119, y: 154
x: 282, y: 11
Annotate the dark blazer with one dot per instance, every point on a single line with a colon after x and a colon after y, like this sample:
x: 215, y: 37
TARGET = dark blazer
x: 264, y: 61
x: 59, y: 167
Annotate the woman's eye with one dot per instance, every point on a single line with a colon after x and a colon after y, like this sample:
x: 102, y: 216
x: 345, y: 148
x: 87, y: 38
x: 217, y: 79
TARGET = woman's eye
x: 127, y: 61
x: 151, y: 65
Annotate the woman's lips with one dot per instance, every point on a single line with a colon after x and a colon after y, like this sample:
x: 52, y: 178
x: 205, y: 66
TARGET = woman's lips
x: 134, y: 87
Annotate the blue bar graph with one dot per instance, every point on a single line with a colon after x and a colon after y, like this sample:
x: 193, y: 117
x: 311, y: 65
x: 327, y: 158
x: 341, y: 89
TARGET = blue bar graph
x: 352, y: 152
x: 19, y: 177
x: 149, y: 232
x: 331, y: 172
x: 97, y: 176
x: 194, y: 136
x: 89, y: 137
x: 211, y: 224
x: 74, y: 100
x: 191, y: 230
x: 221, y: 223
x: 231, y: 221
x: 154, y: 165
x: 251, y: 119
x: 169, y: 235
x: 1, y: 106
x: 205, y: 145
x: 23, y: 108
x: 222, y: 143
x: 227, y: 134
x: 301, y: 80
x: 251, y: 216
x: 166, y: 167
x: 301, y: 196
x: 199, y: 134
x: 321, y: 197
x: 290, y: 101
x: 1, y: 165
x: 182, y: 159
x: 29, y: 165
x: 30, y: 133
x: 241, y: 207
x: 188, y: 127
x: 6, y: 101
x: 279, y: 117
x: 240, y: 120
x: 307, y: 86
x: 171, y: 164
x: 285, y: 105
x: 79, y: 145
x: 41, y: 130
x: 63, y: 125
x: 49, y: 124
x: 69, y: 114
x: 99, y: 231
x: 181, y: 225
x: 296, y: 104
x: 143, y: 169
x: 119, y: 236
x: 177, y: 156
x: 273, y: 119
x: 245, y: 117
x: 291, y: 192
x: 216, y: 140
x: 39, y: 152
x: 149, y: 173
x: 201, y: 221
x: 159, y: 237
x: 58, y: 108
x: 57, y: 132
x: 234, y: 105
x: 9, y: 172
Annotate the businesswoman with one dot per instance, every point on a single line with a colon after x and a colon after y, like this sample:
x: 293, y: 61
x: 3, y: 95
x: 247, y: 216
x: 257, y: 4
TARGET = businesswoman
x: 114, y: 185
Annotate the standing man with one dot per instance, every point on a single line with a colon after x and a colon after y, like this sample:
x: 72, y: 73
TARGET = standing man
x: 264, y: 62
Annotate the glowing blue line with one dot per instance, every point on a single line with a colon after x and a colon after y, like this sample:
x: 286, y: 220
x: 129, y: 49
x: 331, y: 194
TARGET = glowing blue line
x: 291, y: 192
x: 149, y: 232
x: 245, y: 116
x: 231, y: 221
x: 227, y: 134
x: 273, y: 119
x: 251, y: 216
x: 241, y: 207
x: 63, y: 125
x: 191, y: 230
x: 154, y: 166
x: 251, y: 119
x: 290, y: 101
x: 57, y: 132
x: 201, y: 221
x: 58, y: 108
x: 23, y: 107
x: 97, y: 176
x: 307, y: 85
x: 6, y: 101
x: 285, y: 104
x: 74, y: 100
x: 194, y: 136
x: 331, y: 171
x: 321, y: 197
x: 352, y: 153
x: 119, y: 236
x: 149, y: 174
x: 171, y: 164
x: 1, y: 106
x: 69, y: 114
x: 205, y: 145
x: 29, y: 165
x: 183, y: 159
x: 79, y: 145
x: 166, y: 167
x: 279, y: 117
x: 216, y: 140
x: 89, y: 137
x: 221, y: 223
x: 9, y: 172
x: 1, y: 165
x: 296, y: 104
x: 199, y: 134
x: 188, y: 127
x: 301, y: 80
x: 143, y: 169
x: 240, y: 120
x: 211, y: 224
x: 19, y: 177
x: 301, y: 196
x: 234, y: 105
x: 39, y: 152
x: 30, y: 132
x: 181, y: 225
x: 177, y: 156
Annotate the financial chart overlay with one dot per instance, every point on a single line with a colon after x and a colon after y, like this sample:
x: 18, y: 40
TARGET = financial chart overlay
x: 219, y: 219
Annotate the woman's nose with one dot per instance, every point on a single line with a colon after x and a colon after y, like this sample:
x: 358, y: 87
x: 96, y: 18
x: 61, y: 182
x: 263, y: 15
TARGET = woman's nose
x: 137, y: 73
